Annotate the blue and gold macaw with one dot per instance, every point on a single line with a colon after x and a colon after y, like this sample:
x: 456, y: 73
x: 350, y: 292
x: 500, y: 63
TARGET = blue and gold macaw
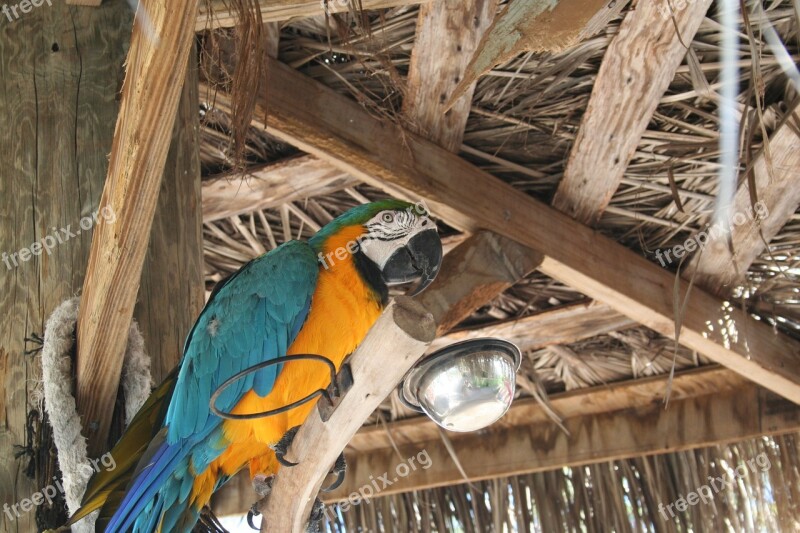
x: 317, y: 297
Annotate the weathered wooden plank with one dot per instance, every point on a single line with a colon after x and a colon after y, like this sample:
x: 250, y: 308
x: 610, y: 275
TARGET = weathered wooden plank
x: 60, y: 69
x: 405, y: 326
x: 317, y: 120
x: 270, y: 186
x: 172, y: 292
x: 778, y: 189
x: 562, y: 325
x: 155, y: 71
x: 88, y: 3
x: 221, y: 15
x: 707, y: 407
x: 624, y: 97
x: 537, y: 25
x: 448, y: 33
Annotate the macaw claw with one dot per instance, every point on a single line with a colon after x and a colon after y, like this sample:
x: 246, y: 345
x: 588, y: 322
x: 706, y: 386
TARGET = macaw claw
x: 253, y: 512
x: 340, y: 469
x: 281, y: 447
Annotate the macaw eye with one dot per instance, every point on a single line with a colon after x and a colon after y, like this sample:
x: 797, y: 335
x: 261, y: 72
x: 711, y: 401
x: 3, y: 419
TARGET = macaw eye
x: 388, y: 218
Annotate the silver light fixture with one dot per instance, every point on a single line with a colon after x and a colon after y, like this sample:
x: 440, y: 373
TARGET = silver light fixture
x: 465, y: 386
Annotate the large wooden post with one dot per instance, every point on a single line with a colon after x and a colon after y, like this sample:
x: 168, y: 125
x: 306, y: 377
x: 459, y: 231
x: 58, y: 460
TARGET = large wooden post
x: 61, y: 72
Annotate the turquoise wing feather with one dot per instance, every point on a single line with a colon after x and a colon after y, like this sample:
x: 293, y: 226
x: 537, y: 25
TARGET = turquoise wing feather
x: 252, y: 317
x: 255, y: 316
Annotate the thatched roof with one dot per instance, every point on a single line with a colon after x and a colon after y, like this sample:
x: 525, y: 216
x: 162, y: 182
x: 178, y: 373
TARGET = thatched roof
x: 524, y: 120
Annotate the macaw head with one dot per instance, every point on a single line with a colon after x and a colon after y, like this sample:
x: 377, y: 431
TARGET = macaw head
x: 392, y: 239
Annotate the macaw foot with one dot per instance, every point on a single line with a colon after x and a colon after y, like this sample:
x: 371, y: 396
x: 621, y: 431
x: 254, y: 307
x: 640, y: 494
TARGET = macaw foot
x: 262, y: 485
x: 339, y: 469
x: 281, y: 447
x: 315, y: 519
x: 208, y: 522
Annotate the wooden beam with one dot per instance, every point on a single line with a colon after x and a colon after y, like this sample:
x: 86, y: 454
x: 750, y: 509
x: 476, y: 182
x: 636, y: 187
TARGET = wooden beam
x: 561, y: 325
x: 448, y: 33
x: 707, y: 407
x: 407, y: 328
x: 89, y: 3
x: 778, y: 189
x: 221, y: 15
x: 155, y: 71
x: 270, y: 186
x: 172, y: 276
x: 636, y: 71
x: 336, y: 129
x: 536, y: 25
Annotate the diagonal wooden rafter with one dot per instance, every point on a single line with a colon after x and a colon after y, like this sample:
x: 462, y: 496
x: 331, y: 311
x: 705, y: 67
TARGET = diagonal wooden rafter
x: 636, y: 71
x: 777, y: 182
x: 448, y: 33
x: 155, y: 71
x: 321, y: 122
x: 270, y: 186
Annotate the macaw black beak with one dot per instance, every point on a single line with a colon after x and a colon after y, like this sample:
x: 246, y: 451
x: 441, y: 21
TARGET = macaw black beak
x: 420, y: 260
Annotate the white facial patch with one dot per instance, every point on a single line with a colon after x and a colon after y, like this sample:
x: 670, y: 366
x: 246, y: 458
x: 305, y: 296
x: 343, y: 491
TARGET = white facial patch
x: 388, y: 231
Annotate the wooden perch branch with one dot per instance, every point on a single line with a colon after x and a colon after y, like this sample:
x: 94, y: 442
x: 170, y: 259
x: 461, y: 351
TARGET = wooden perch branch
x: 156, y: 68
x: 393, y: 345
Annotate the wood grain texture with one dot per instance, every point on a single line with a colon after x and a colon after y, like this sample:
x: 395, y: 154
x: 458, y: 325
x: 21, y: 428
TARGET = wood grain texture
x: 778, y: 188
x: 270, y: 186
x: 707, y: 407
x: 155, y: 71
x: 637, y: 69
x: 535, y: 25
x: 60, y: 72
x: 448, y: 33
x: 398, y: 338
x: 88, y: 3
x: 561, y: 325
x: 472, y: 274
x: 330, y: 126
x: 172, y: 290
x: 220, y: 15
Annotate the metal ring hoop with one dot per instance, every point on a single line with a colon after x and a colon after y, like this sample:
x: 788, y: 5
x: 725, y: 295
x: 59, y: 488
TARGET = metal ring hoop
x: 278, y: 360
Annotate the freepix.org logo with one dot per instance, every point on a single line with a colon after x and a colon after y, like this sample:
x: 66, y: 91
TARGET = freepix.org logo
x: 15, y: 511
x: 14, y: 11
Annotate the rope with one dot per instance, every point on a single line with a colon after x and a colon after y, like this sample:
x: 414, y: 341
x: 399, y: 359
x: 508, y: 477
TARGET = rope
x: 60, y: 403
